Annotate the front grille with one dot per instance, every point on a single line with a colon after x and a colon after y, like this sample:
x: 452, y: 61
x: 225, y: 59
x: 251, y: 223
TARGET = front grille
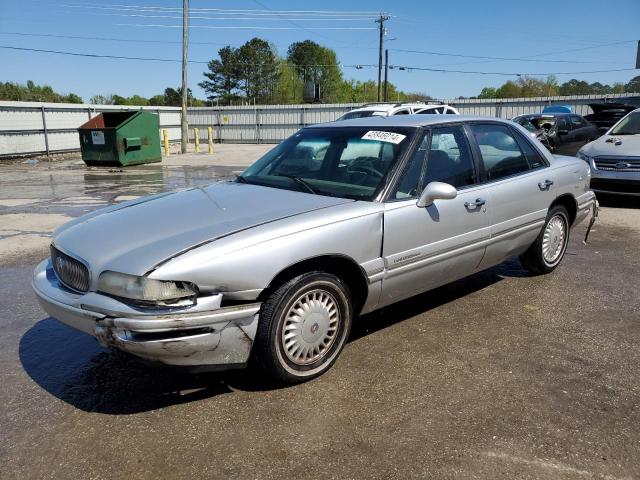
x: 618, y: 164
x: 71, y: 272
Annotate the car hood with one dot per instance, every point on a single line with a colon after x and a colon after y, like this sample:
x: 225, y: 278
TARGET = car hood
x: 133, y: 237
x: 617, y: 145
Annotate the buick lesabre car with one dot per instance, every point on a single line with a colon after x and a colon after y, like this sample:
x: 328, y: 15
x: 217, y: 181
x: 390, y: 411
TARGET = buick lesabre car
x: 615, y: 158
x: 338, y: 220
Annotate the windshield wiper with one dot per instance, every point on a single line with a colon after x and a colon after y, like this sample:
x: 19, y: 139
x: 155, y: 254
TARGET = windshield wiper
x: 241, y: 179
x: 300, y: 181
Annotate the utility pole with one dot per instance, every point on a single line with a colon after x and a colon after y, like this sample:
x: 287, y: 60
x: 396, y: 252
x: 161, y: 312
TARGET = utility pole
x: 383, y: 18
x: 386, y: 72
x: 184, y: 136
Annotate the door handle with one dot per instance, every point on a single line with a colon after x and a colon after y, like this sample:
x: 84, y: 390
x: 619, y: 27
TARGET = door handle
x: 478, y: 203
x: 546, y: 184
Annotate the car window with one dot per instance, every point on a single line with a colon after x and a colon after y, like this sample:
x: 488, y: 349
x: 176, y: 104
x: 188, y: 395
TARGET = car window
x: 630, y: 125
x: 347, y: 162
x: 533, y: 155
x: 562, y: 124
x: 577, y: 121
x: 408, y: 186
x: 449, y: 159
x: 402, y: 112
x: 428, y: 111
x: 500, y: 152
x: 450, y: 111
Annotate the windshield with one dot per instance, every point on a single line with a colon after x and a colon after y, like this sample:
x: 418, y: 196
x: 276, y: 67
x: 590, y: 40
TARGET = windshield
x: 360, y: 114
x: 629, y: 125
x: 526, y: 123
x: 348, y: 162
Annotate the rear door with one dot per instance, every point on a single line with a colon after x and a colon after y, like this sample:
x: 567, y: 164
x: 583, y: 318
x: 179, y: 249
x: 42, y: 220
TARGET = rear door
x: 520, y: 187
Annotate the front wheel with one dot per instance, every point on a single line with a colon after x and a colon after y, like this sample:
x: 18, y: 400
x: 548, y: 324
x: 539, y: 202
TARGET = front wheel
x: 546, y: 253
x: 304, y: 325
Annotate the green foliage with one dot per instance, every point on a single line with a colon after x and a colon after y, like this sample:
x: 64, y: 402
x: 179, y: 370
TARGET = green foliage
x: 34, y: 93
x: 317, y: 64
x: 634, y: 85
x: 250, y: 72
x: 253, y: 72
x: 172, y: 97
x: 536, y: 87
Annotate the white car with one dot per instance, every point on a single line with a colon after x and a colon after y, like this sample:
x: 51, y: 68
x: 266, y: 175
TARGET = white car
x: 388, y: 109
x: 614, y: 158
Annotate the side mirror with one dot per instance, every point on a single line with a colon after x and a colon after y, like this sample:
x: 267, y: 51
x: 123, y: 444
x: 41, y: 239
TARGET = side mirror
x: 434, y: 191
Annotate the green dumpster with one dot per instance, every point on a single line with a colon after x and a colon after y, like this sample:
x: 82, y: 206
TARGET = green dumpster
x: 121, y: 139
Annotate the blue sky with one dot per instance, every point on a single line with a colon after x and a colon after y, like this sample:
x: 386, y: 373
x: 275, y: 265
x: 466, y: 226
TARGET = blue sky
x: 571, y: 31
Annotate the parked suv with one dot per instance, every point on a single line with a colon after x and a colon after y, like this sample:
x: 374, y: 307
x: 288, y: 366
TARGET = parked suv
x: 388, y: 109
x: 614, y: 158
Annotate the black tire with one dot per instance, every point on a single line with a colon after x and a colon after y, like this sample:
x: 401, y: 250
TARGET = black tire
x: 534, y: 258
x: 275, y: 355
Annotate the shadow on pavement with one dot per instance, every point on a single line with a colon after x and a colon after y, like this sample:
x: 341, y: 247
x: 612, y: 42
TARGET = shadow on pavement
x: 618, y: 201
x: 73, y: 367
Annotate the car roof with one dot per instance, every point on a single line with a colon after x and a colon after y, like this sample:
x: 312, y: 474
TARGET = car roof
x: 385, y: 107
x: 547, y: 114
x: 406, y: 121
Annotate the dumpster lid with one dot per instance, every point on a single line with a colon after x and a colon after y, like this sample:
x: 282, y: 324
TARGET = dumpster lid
x: 110, y: 120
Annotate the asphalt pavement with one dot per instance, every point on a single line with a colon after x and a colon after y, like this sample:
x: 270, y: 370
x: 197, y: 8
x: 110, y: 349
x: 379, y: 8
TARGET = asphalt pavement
x: 500, y: 375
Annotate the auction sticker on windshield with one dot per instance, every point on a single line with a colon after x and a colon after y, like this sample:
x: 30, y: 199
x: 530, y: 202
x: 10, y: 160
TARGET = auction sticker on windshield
x: 384, y: 136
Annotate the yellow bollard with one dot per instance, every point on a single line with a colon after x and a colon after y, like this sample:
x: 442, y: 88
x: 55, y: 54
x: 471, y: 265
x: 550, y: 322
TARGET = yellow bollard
x: 197, y: 139
x: 165, y: 135
x: 210, y: 136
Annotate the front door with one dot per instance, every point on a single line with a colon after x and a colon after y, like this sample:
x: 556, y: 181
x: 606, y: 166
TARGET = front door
x: 427, y: 247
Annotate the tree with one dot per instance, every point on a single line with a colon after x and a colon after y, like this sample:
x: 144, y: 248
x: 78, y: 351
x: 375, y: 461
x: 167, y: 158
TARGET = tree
x: 488, y: 92
x: 223, y: 77
x: 102, y: 100
x: 575, y: 87
x: 35, y: 93
x: 509, y: 90
x: 634, y: 85
x: 258, y: 70
x: 317, y: 64
x: 289, y: 88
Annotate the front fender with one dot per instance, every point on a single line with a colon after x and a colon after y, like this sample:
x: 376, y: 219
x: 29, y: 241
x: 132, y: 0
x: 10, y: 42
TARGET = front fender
x: 245, y: 263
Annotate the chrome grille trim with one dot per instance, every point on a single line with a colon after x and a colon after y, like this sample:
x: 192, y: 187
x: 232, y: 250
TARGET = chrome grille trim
x: 609, y: 164
x: 70, y: 271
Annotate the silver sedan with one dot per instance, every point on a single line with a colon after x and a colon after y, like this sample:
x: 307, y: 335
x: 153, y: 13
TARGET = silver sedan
x: 338, y: 220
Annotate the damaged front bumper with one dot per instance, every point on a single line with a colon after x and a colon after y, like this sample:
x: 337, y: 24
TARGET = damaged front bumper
x: 198, y: 336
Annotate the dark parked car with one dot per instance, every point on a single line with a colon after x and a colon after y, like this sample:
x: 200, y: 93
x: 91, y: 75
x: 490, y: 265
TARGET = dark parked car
x: 606, y: 115
x: 565, y: 132
x: 534, y: 130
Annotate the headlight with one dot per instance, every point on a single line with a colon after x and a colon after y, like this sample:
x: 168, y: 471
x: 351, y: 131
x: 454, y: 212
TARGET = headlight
x: 143, y: 288
x: 583, y: 156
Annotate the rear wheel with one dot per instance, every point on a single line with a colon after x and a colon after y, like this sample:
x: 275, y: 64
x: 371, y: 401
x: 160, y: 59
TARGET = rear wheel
x: 546, y: 253
x: 303, y: 327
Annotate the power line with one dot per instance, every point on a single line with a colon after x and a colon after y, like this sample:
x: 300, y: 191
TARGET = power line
x: 202, y: 17
x: 238, y: 27
x: 148, y: 59
x: 226, y: 11
x: 140, y: 40
x: 357, y: 66
x: 301, y: 27
x: 510, y: 74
